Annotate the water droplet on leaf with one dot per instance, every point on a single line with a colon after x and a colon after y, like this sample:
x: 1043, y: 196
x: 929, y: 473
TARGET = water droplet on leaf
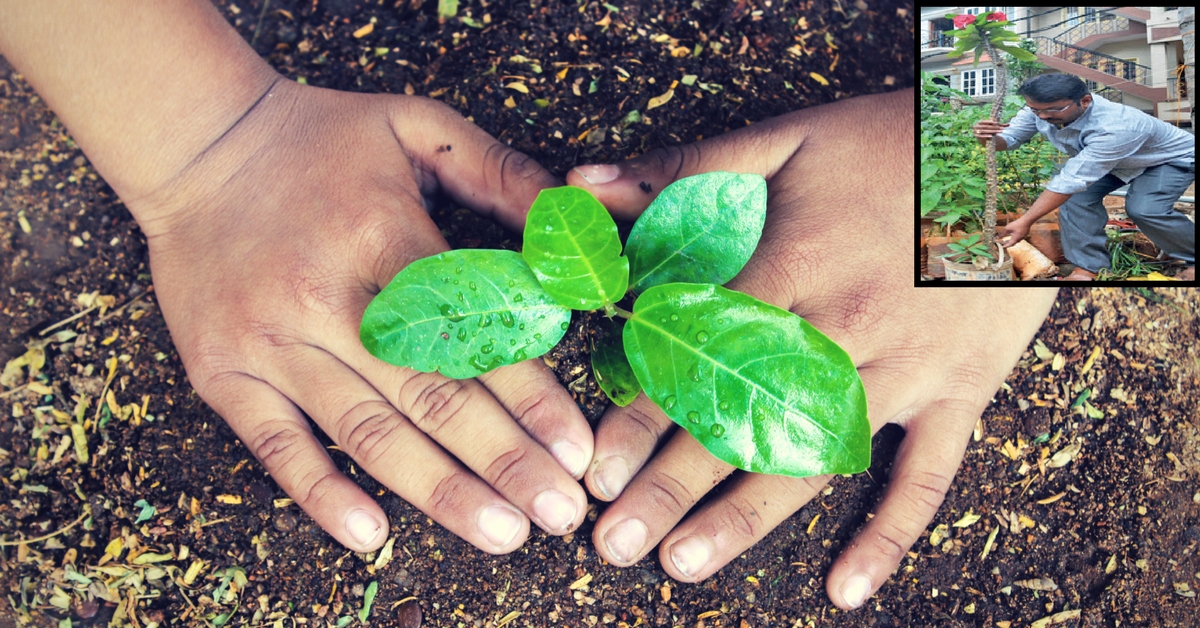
x: 462, y: 298
x: 565, y: 326
x: 694, y: 373
x: 724, y: 406
x: 458, y: 271
x: 519, y: 297
x: 485, y: 320
x: 462, y: 334
x: 506, y: 319
x: 669, y: 402
x: 674, y: 317
x: 488, y: 348
x: 701, y: 337
x: 471, y: 285
x: 693, y: 416
x: 452, y: 313
x: 717, y: 430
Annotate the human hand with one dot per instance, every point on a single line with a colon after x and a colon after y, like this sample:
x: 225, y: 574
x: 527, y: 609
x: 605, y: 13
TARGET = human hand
x: 985, y: 129
x: 265, y: 251
x: 836, y: 251
x: 1012, y: 233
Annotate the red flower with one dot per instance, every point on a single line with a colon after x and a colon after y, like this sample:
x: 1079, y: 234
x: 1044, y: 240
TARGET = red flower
x: 962, y: 21
x: 996, y: 17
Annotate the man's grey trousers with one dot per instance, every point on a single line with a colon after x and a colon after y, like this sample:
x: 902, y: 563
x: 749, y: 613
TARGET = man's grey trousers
x: 1149, y: 204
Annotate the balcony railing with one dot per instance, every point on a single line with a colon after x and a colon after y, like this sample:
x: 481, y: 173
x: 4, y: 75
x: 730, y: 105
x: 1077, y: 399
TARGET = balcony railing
x: 1106, y: 23
x: 1108, y: 64
x: 939, y: 40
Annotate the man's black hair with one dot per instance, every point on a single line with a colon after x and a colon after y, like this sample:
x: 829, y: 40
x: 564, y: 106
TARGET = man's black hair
x: 1052, y: 87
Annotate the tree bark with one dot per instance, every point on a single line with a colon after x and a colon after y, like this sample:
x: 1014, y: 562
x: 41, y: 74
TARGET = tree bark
x: 1187, y: 30
x: 993, y: 184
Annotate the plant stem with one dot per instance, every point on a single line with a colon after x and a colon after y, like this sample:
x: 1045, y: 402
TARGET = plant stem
x: 616, y: 311
x: 989, y: 208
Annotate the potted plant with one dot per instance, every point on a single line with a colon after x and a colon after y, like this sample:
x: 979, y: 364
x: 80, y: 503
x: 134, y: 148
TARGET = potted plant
x: 756, y: 385
x: 986, y: 33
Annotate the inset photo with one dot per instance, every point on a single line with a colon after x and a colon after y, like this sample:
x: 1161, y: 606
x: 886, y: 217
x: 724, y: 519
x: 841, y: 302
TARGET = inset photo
x: 1057, y: 144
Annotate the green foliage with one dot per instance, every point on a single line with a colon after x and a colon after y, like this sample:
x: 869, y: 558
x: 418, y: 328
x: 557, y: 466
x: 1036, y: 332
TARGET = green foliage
x: 700, y: 230
x: 368, y: 601
x: 758, y: 386
x: 613, y: 372
x: 725, y: 367
x: 463, y: 313
x: 571, y: 243
x: 967, y: 248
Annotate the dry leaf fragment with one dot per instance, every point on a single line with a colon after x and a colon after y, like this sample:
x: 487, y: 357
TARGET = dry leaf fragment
x: 707, y: 614
x: 510, y: 103
x: 1112, y: 565
x: 581, y: 583
x: 967, y: 520
x: 1037, y: 584
x: 1057, y: 618
x: 1051, y: 499
x: 1042, y: 351
x: 1087, y: 365
x: 364, y: 31
x: 1059, y: 362
x: 520, y: 87
x: 938, y: 534
x: 229, y: 499
x: 987, y: 547
x: 1065, y: 455
x: 659, y: 101
x: 812, y: 524
x: 665, y: 591
x: 385, y: 554
x: 818, y: 78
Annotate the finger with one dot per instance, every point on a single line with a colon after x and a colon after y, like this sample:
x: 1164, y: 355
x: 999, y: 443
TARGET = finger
x: 472, y: 166
x: 533, y: 396
x: 924, y: 467
x: 276, y: 433
x: 625, y: 440
x: 725, y: 527
x: 657, y: 498
x: 627, y: 188
x: 387, y: 427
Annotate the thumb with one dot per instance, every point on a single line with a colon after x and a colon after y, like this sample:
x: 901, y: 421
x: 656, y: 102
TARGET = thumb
x: 471, y: 166
x: 627, y: 188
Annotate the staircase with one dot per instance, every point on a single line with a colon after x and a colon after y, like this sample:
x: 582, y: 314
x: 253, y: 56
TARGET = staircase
x: 1068, y: 52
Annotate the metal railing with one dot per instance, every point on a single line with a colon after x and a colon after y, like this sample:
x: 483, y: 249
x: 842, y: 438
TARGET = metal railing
x: 1100, y: 22
x: 1108, y: 64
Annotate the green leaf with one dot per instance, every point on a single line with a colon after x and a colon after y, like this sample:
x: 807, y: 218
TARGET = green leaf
x: 1023, y: 55
x: 700, y: 229
x: 447, y: 8
x: 463, y: 313
x: 147, y: 511
x: 758, y: 386
x: 368, y: 600
x: 571, y: 243
x: 612, y: 371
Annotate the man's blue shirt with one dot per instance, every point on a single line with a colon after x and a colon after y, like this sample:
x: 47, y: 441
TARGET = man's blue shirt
x: 1108, y: 138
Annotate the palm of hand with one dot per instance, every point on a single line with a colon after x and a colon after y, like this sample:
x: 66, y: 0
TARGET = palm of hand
x: 265, y: 252
x: 837, y: 251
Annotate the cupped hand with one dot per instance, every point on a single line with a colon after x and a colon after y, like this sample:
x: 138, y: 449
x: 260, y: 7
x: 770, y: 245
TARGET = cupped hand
x: 837, y: 249
x: 266, y: 250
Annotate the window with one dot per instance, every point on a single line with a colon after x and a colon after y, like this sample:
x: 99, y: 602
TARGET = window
x: 979, y: 82
x: 1072, y: 16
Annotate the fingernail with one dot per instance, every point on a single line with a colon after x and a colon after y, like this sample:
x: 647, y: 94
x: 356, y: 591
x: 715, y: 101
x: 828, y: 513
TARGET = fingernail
x: 855, y: 590
x: 570, y: 456
x: 499, y: 524
x: 363, y: 528
x: 626, y: 539
x: 690, y: 555
x: 598, y: 174
x: 611, y: 476
x: 555, y: 511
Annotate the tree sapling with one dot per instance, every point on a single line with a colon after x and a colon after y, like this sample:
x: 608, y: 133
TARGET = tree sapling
x: 758, y: 386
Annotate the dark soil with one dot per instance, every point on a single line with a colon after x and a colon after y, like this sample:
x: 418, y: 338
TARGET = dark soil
x: 1119, y: 544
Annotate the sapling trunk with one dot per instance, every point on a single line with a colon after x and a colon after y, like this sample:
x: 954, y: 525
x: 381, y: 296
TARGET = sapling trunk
x: 993, y: 185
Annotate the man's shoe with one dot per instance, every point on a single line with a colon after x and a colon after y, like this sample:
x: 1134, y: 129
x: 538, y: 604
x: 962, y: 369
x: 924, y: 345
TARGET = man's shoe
x: 1079, y: 274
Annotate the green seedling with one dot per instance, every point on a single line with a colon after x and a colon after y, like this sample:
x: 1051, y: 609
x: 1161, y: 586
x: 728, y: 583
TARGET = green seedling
x: 969, y: 248
x: 756, y: 385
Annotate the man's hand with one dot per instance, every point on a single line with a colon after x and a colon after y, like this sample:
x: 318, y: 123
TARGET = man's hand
x: 985, y: 129
x: 1012, y: 233
x: 840, y: 183
x: 265, y: 251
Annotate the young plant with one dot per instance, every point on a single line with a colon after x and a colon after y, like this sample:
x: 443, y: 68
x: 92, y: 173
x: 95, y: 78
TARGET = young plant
x: 758, y: 386
x: 988, y: 33
x: 969, y: 248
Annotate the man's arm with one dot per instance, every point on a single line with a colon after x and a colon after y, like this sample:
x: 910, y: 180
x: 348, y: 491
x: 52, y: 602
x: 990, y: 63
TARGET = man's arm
x: 140, y: 95
x: 1016, y: 230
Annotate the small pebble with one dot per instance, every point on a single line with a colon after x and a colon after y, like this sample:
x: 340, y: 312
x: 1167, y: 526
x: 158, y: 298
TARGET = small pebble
x: 408, y: 615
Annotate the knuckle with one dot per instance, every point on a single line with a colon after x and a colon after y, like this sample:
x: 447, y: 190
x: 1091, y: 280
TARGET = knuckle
x: 436, y: 401
x: 740, y: 516
x: 667, y: 494
x: 637, y: 419
x: 368, y: 430
x: 275, y: 448
x: 450, y: 495
x: 891, y: 541
x: 505, y: 471
x: 926, y: 490
x: 514, y: 166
